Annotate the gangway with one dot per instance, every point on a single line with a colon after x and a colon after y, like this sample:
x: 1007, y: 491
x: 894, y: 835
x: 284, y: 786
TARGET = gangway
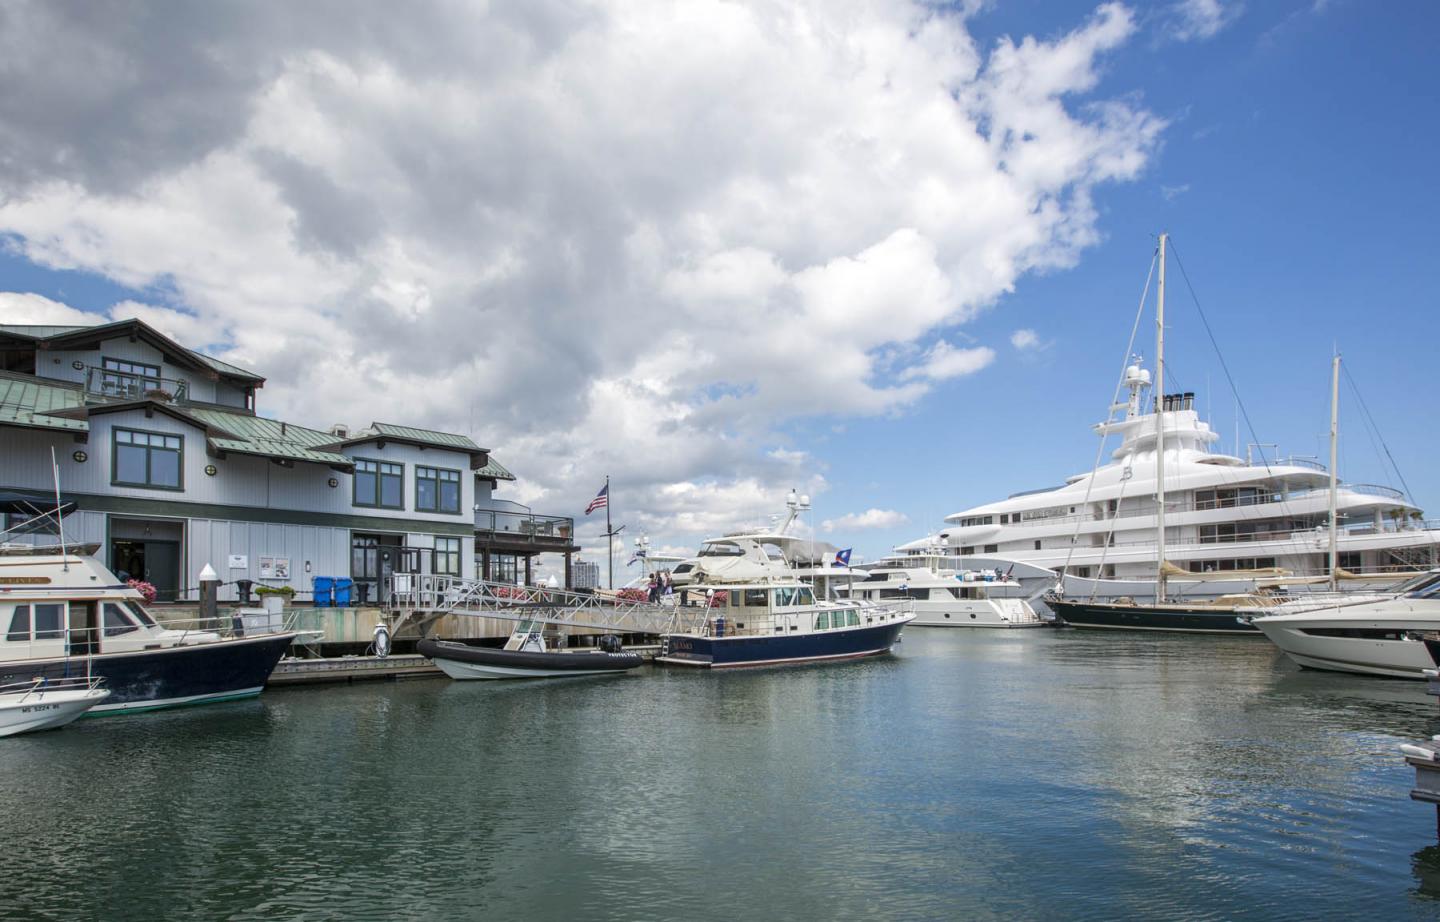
x: 420, y: 599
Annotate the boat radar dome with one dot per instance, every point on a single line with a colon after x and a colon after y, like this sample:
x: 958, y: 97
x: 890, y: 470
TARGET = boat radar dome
x: 1136, y: 376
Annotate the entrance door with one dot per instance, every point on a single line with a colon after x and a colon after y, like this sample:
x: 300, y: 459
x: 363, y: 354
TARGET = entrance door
x: 373, y: 559
x: 155, y: 562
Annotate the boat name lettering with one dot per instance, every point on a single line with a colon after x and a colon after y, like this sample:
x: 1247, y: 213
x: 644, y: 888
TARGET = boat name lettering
x: 1053, y: 512
x: 24, y: 580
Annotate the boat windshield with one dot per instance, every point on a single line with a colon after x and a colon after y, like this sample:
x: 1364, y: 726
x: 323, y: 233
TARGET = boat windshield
x: 140, y: 613
x: 1426, y: 587
x: 721, y: 550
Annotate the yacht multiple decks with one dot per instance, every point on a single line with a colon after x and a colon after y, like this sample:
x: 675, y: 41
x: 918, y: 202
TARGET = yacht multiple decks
x: 1224, y: 515
x: 944, y: 594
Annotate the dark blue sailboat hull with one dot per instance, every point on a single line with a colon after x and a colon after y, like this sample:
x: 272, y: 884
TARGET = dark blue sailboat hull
x: 745, y: 650
x: 1181, y: 618
x: 170, y: 677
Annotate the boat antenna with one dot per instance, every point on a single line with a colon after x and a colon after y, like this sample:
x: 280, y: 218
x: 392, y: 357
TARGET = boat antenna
x: 59, y: 511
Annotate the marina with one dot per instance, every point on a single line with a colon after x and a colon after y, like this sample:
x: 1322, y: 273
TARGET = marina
x: 719, y: 461
x: 1027, y: 774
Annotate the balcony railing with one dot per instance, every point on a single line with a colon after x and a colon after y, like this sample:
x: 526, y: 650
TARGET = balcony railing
x: 125, y: 385
x: 525, y: 526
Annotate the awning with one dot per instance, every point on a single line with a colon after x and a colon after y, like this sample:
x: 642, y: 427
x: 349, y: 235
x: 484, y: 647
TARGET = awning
x: 33, y: 503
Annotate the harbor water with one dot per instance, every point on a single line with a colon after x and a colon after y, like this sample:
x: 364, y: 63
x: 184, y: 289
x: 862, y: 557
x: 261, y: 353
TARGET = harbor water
x: 972, y: 774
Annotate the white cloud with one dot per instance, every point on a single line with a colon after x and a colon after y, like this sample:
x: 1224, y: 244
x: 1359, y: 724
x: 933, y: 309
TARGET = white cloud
x: 24, y: 308
x: 1171, y: 193
x: 944, y: 361
x: 1192, y: 20
x: 631, y: 238
x: 1024, y: 339
x: 870, y: 518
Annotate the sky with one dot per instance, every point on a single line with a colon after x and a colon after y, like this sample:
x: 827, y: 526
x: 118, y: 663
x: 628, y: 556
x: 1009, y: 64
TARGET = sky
x: 885, y: 253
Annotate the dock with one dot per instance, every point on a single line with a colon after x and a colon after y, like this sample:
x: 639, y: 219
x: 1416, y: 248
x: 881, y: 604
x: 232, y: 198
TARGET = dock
x: 332, y: 669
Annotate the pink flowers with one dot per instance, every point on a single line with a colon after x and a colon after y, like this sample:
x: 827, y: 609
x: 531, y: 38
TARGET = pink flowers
x: 631, y: 595
x: 146, y: 590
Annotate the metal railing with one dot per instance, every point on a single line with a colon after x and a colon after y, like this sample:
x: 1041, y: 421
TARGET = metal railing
x: 126, y: 385
x: 769, y: 623
x: 452, y: 595
x: 524, y: 525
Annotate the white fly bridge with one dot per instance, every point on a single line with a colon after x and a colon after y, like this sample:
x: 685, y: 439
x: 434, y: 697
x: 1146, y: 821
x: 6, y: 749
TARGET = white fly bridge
x: 421, y: 599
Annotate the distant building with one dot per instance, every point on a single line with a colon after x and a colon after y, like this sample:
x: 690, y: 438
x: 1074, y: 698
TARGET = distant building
x: 170, y: 468
x: 586, y: 574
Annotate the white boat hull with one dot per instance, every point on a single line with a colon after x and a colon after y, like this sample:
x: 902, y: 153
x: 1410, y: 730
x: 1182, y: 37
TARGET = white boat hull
x: 42, y: 710
x: 996, y: 613
x: 468, y: 671
x: 1394, y: 656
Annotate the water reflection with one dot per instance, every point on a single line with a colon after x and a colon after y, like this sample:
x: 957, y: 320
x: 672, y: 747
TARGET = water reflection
x: 974, y: 774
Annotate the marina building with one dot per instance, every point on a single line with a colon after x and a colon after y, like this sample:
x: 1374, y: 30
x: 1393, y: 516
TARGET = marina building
x: 169, y: 467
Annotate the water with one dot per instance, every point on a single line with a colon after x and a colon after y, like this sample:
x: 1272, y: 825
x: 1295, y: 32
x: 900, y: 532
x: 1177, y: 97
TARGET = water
x: 1030, y: 774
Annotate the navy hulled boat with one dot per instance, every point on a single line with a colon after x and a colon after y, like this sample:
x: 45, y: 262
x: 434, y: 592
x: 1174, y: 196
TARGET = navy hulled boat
x: 760, y: 614
x: 65, y: 614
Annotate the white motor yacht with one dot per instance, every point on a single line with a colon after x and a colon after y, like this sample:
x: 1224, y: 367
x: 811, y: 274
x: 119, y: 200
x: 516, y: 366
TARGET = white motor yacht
x: 1372, y: 637
x: 944, y: 595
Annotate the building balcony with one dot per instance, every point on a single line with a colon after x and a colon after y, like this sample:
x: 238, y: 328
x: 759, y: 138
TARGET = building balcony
x: 123, y: 385
x: 541, y: 531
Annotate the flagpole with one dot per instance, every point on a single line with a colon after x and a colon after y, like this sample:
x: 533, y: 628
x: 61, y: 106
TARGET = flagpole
x: 609, y: 534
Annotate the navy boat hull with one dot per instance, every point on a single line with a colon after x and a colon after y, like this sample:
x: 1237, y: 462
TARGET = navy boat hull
x: 1174, y: 618
x: 148, y: 679
x: 762, y: 650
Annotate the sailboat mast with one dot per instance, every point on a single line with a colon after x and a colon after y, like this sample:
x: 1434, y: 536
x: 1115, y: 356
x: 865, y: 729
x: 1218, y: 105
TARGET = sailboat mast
x: 1160, y: 425
x: 1334, y: 482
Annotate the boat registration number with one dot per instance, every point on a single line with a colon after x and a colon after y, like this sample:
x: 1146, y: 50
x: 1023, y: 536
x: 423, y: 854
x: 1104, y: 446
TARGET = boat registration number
x: 37, y: 708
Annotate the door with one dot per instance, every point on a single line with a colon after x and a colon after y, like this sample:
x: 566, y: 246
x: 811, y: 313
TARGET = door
x: 162, y: 569
x: 84, y: 638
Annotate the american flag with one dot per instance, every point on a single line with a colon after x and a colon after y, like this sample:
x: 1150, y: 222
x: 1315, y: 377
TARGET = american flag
x: 601, y: 500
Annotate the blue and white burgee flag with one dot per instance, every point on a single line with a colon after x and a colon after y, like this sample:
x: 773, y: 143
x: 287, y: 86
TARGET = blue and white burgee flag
x: 639, y: 555
x: 842, y: 558
x: 601, y: 500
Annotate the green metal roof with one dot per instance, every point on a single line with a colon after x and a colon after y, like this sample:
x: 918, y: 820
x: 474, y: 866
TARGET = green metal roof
x: 424, y: 437
x: 224, y: 368
x: 254, y: 435
x: 494, y: 470
x: 36, y: 331
x: 25, y: 401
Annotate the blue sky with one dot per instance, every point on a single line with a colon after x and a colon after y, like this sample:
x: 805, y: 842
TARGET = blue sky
x: 1303, y: 141
x: 715, y: 251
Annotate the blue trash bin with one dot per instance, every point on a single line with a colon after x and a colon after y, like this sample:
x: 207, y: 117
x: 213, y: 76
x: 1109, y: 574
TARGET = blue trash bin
x: 324, y: 591
x: 343, y: 587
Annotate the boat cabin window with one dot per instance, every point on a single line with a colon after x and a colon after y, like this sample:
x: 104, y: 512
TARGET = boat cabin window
x: 756, y: 598
x: 49, y: 620
x: 784, y: 597
x: 117, y: 622
x: 19, y: 624
x: 721, y: 550
x: 804, y: 596
x: 822, y: 621
x: 140, y: 614
x: 852, y: 618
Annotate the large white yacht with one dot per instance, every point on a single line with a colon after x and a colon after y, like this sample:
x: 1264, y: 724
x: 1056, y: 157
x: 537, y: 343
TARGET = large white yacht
x: 943, y: 594
x: 1225, y: 516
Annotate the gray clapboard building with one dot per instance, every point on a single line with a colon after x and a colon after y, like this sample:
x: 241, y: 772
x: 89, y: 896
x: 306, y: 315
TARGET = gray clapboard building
x: 169, y: 467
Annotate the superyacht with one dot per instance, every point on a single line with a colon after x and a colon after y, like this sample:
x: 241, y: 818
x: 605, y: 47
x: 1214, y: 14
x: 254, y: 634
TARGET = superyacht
x: 1231, y: 522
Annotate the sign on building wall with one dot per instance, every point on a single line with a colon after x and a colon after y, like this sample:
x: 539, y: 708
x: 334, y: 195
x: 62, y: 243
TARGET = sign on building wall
x: 239, y: 562
x: 274, y: 567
